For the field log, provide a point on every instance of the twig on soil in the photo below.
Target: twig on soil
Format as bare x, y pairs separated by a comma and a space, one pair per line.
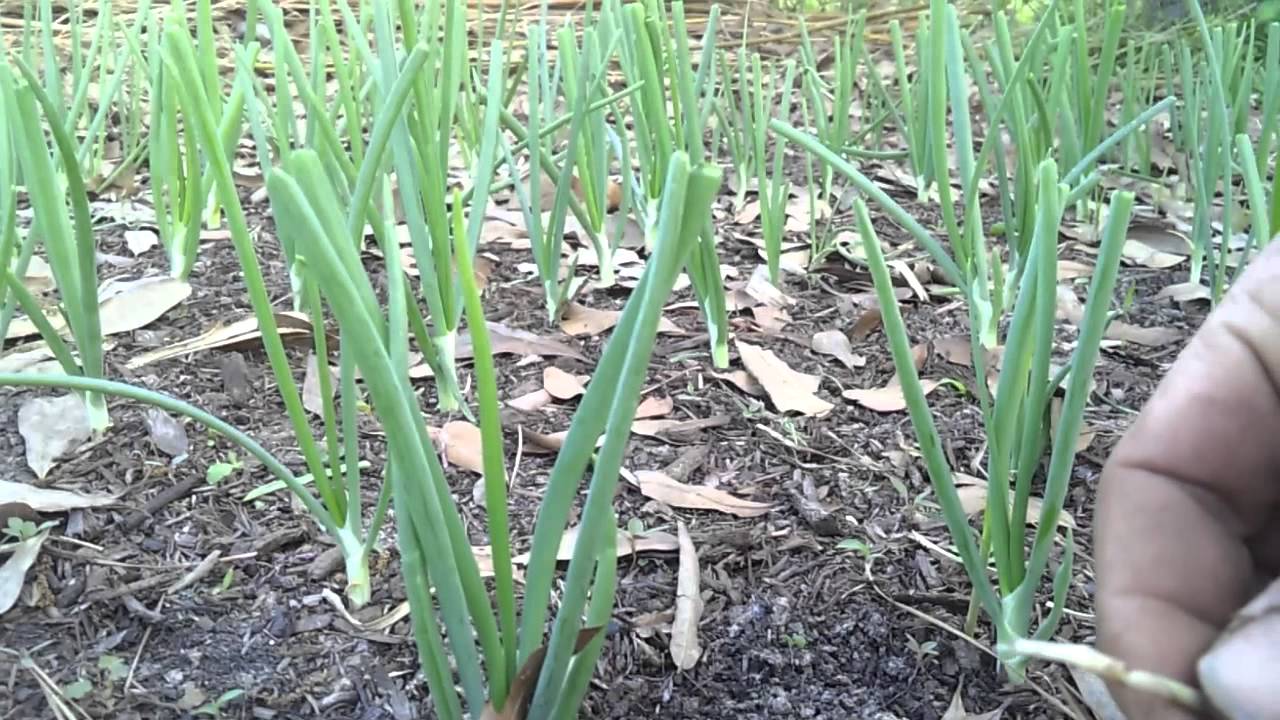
137, 586
197, 573
171, 494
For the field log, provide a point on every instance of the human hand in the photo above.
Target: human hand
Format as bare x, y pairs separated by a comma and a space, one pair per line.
1187, 525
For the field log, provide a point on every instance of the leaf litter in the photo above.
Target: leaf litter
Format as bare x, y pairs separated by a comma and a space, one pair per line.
658, 485
14, 571
685, 648
790, 391
51, 427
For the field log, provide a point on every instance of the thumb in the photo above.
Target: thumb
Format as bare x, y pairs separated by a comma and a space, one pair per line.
1241, 672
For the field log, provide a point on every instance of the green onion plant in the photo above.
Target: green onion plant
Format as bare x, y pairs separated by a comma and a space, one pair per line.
53, 179
338, 510
487, 647
772, 189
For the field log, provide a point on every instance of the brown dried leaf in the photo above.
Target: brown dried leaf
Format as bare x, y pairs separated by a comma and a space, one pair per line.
123, 306
789, 390
560, 384
511, 341
866, 324
312, 399
662, 428
973, 497
886, 399
742, 380
239, 335
1072, 269
1085, 438
462, 445
167, 433
655, 406
1072, 310
770, 319
1185, 292
1159, 238
1139, 253
140, 241
579, 320
50, 428
659, 486
627, 544
685, 649
837, 345
49, 500
765, 292
955, 349
957, 711
531, 401
14, 570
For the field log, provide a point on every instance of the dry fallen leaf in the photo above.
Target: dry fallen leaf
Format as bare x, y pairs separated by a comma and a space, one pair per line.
239, 335
655, 406
837, 345
764, 292
50, 428
531, 401
973, 498
770, 319
167, 433
123, 306
627, 544
1072, 310
659, 486
1083, 440
1071, 269
1095, 694
511, 341
49, 500
560, 384
1185, 292
312, 397
126, 305
955, 349
1139, 253
579, 320
742, 380
886, 399
866, 324
660, 428
789, 390
484, 559
140, 241
14, 570
685, 648
462, 445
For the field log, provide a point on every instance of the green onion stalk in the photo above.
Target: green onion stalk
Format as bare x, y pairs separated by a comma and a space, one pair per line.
52, 177
338, 509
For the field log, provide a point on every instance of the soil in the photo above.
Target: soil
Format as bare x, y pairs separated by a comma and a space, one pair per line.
794, 626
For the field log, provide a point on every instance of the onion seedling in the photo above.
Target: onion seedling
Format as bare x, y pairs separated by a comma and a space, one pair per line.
772, 189
1017, 424
338, 509
485, 649
52, 178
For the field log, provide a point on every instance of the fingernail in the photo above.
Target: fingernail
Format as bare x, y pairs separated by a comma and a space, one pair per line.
1240, 674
